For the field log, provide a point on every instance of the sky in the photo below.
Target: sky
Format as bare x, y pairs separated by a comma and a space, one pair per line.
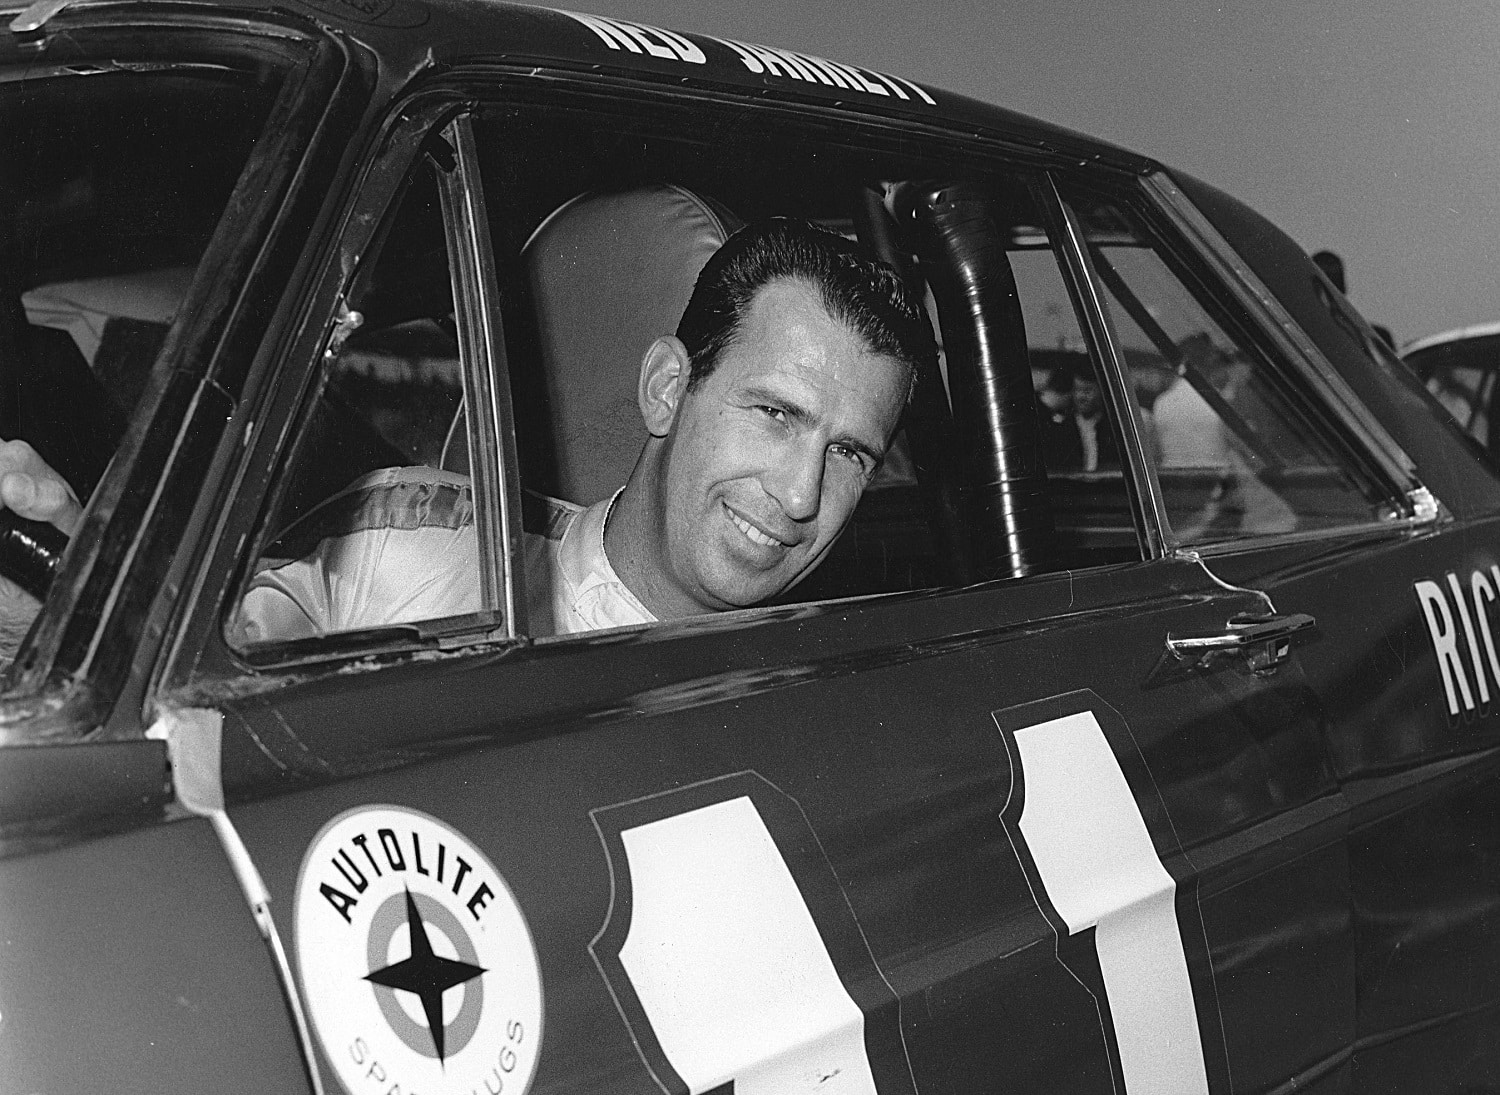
1368, 127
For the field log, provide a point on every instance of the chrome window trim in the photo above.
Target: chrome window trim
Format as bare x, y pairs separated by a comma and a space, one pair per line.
497, 501
1298, 349
1148, 501
1400, 526
374, 195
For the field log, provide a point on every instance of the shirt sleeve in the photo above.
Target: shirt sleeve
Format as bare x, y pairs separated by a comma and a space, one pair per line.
397, 547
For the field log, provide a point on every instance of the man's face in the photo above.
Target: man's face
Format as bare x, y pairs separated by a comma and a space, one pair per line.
1086, 396
767, 457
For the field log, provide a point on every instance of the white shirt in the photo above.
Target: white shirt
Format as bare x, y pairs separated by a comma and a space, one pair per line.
587, 594
1088, 436
1189, 432
399, 545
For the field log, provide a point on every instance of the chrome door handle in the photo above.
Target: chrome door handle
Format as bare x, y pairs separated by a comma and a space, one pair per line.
1260, 642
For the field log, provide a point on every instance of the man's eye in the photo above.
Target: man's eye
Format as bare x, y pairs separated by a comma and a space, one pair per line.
853, 455
774, 413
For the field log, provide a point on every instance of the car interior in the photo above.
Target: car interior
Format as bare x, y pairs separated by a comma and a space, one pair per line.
968, 461
102, 223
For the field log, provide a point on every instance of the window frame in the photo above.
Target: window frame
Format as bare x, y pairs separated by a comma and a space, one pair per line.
1147, 501
278, 414
497, 495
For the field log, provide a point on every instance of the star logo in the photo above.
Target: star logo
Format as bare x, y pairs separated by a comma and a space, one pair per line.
415, 914
425, 975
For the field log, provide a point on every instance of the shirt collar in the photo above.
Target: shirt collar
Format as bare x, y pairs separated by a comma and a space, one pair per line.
597, 594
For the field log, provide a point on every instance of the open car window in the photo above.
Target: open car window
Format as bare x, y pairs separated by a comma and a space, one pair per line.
601, 216
603, 213
1011, 459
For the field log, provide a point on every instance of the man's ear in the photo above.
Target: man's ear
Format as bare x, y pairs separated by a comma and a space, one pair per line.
664, 374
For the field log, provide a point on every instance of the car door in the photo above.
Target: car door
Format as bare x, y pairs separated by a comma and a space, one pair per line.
1406, 676
927, 838
1398, 671
889, 780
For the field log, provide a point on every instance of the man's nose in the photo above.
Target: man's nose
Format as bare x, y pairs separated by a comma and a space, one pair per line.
796, 482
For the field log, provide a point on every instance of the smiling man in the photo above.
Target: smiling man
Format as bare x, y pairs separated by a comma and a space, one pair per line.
766, 416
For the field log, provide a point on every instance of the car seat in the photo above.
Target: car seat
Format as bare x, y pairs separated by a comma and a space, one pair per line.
608, 273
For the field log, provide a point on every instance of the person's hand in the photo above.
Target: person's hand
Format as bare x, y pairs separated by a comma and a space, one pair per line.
30, 487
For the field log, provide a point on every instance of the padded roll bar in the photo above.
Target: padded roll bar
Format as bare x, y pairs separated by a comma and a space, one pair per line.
1004, 495
929, 421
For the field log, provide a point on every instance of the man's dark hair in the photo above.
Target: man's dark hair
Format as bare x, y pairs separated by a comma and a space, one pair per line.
857, 290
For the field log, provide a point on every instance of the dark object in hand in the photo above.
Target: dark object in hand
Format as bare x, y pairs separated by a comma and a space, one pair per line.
30, 552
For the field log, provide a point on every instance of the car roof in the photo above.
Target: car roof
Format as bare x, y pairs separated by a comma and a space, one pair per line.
1458, 334
414, 37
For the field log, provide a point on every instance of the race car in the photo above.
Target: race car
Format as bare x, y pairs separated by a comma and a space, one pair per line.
1138, 734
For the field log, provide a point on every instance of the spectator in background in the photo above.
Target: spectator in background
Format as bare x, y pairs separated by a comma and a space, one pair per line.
1095, 436
1076, 433
1054, 402
1189, 433
1192, 435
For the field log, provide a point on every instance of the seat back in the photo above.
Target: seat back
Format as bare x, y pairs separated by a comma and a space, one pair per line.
609, 273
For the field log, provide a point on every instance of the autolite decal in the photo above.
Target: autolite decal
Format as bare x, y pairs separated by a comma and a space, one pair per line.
418, 966
1458, 617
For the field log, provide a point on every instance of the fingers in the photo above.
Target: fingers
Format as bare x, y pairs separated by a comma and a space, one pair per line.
30, 487
36, 497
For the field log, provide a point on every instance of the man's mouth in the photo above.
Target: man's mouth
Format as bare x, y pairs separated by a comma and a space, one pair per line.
753, 534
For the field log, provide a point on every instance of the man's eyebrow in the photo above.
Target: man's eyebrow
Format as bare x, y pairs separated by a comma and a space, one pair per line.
759, 393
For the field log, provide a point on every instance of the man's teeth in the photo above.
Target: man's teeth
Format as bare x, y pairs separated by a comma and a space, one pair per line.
754, 533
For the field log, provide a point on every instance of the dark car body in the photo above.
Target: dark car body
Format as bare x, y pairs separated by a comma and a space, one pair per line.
1139, 775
